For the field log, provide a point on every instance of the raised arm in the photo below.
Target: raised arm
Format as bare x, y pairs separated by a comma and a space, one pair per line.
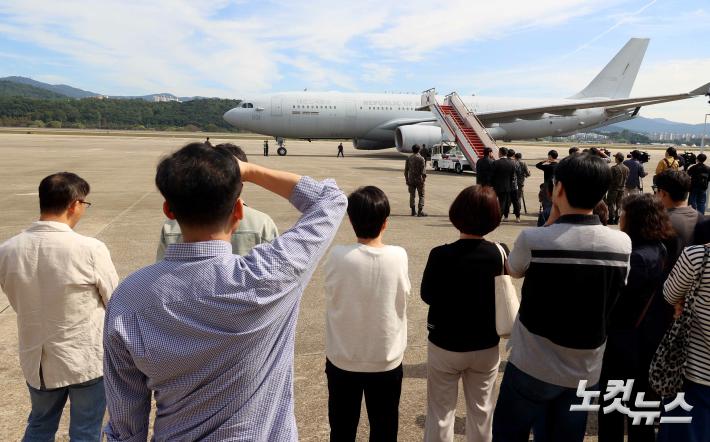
277, 181
297, 251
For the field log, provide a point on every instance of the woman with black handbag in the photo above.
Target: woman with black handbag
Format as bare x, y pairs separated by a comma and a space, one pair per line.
688, 289
646, 222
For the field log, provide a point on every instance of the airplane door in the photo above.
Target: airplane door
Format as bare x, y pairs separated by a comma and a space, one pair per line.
276, 106
350, 111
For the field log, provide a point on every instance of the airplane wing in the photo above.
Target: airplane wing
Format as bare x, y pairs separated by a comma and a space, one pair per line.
394, 124
612, 105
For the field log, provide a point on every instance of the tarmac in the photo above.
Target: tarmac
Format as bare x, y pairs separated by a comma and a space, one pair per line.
126, 214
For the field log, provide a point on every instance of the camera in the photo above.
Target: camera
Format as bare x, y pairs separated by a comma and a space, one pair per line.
641, 156
688, 159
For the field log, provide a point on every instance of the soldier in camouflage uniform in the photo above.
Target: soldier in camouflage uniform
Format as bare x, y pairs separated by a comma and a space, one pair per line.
414, 175
619, 175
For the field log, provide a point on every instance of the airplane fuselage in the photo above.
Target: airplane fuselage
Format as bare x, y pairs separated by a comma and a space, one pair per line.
361, 116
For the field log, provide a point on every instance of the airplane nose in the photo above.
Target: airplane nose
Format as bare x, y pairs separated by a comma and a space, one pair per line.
231, 117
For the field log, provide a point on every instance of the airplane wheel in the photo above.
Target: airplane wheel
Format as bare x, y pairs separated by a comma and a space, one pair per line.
458, 168
436, 165
281, 151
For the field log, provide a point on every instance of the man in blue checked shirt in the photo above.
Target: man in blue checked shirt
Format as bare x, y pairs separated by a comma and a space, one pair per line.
210, 333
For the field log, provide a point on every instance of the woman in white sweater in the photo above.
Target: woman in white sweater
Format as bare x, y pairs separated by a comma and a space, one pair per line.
366, 287
697, 366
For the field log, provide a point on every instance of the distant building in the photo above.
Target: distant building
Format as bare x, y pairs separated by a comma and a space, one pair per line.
163, 98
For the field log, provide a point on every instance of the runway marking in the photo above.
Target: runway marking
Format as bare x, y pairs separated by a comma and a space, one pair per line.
129, 208
27, 194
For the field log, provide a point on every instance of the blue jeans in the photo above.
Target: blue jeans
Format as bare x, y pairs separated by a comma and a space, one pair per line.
698, 430
87, 406
696, 200
526, 403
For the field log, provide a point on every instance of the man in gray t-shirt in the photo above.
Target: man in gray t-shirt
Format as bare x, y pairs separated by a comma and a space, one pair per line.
574, 271
672, 188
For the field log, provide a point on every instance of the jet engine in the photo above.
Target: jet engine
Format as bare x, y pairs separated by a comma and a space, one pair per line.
365, 144
407, 136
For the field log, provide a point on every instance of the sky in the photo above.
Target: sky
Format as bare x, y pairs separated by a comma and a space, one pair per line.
231, 49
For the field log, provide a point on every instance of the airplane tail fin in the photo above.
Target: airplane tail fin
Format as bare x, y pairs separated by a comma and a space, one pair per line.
618, 76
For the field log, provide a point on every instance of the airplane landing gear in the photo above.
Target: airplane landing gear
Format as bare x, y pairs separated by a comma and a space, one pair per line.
281, 150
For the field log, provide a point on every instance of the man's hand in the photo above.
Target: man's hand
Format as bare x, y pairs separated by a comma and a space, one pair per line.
245, 170
678, 309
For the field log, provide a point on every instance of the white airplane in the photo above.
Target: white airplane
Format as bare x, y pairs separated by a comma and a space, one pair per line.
380, 121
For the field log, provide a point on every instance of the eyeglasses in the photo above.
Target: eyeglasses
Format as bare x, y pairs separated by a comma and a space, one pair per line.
88, 204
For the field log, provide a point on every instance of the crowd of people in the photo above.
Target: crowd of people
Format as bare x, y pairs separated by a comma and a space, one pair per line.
208, 331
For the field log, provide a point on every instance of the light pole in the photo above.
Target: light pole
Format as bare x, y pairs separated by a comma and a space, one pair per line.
702, 148
702, 141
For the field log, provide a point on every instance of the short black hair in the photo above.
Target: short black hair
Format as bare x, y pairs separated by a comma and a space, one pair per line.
511, 153
672, 152
475, 211
200, 183
675, 182
416, 148
553, 153
518, 155
234, 150
368, 209
585, 177
58, 191
573, 150
502, 151
701, 158
487, 151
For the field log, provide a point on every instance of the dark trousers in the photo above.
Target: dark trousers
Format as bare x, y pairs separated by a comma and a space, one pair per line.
526, 403
697, 199
345, 390
505, 199
698, 430
625, 358
340, 153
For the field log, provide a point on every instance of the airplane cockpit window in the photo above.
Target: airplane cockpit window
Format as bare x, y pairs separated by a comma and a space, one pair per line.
247, 105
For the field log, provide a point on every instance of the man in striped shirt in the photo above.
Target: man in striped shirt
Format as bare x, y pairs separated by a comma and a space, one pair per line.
210, 333
574, 270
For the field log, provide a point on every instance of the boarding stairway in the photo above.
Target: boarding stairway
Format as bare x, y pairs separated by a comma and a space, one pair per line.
460, 124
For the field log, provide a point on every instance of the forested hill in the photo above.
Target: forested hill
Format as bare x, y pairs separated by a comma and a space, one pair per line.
201, 114
11, 88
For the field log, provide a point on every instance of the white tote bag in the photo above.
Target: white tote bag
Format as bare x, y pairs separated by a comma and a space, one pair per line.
507, 303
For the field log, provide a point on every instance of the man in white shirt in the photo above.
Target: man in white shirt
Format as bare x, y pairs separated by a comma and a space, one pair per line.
367, 286
59, 283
